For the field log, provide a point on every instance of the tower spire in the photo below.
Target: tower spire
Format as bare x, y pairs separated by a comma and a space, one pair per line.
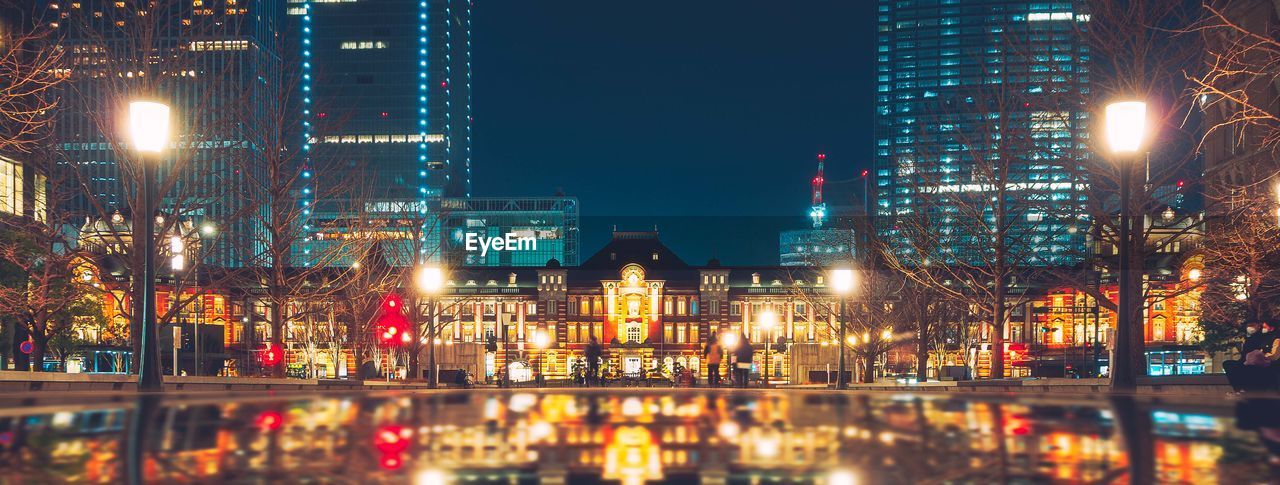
818, 211
818, 180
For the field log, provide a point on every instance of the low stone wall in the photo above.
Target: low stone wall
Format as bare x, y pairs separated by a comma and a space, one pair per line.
1198, 385
16, 381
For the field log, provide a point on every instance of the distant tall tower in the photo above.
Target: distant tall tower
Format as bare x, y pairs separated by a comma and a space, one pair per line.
958, 85
818, 211
386, 93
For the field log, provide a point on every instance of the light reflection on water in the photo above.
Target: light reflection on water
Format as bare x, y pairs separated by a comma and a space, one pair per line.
634, 437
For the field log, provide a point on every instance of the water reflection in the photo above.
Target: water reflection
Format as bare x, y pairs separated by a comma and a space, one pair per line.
638, 437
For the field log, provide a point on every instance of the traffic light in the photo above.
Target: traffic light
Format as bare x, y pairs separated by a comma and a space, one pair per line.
392, 328
272, 354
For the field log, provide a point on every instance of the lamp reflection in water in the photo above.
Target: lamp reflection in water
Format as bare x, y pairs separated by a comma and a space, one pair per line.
678, 436
632, 457
430, 476
841, 477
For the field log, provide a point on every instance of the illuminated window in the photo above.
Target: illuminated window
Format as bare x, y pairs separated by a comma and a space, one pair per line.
41, 208
10, 186
363, 44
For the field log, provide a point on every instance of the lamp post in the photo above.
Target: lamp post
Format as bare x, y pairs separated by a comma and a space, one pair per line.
207, 230
729, 341
768, 319
1125, 127
430, 280
540, 342
149, 131
842, 283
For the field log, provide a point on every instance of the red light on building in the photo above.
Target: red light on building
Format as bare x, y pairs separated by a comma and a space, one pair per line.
1179, 184
864, 174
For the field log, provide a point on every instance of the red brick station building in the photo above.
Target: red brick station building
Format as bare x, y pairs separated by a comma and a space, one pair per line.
650, 310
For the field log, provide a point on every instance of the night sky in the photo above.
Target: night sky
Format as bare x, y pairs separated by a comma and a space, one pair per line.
672, 108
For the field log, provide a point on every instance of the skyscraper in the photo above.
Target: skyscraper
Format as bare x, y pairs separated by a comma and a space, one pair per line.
386, 99
981, 124
213, 66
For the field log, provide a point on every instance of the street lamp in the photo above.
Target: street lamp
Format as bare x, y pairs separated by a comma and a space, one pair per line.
430, 280
842, 283
768, 320
149, 130
541, 341
1125, 127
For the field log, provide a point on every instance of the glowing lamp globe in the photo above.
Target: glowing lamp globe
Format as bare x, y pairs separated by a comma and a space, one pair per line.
1126, 126
430, 279
149, 125
842, 281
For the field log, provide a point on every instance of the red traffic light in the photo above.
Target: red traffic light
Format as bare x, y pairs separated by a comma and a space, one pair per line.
391, 303
272, 354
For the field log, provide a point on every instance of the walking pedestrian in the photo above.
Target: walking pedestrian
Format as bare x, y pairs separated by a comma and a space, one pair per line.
1256, 368
713, 355
593, 352
744, 355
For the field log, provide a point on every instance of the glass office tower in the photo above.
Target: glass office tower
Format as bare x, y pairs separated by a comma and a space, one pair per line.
386, 101
973, 96
205, 62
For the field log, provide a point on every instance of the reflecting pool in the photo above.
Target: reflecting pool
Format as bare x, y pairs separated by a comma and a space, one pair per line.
637, 436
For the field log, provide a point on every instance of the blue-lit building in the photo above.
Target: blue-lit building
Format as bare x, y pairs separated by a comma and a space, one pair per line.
386, 102
973, 96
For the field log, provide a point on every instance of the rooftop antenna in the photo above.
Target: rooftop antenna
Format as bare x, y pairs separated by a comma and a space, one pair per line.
818, 211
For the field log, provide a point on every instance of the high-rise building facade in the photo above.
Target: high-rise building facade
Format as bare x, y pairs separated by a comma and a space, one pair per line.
976, 98
212, 64
385, 100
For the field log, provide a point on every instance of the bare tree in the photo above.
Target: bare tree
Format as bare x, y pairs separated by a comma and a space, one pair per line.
42, 272
153, 51
1138, 52
1237, 82
972, 234
30, 71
